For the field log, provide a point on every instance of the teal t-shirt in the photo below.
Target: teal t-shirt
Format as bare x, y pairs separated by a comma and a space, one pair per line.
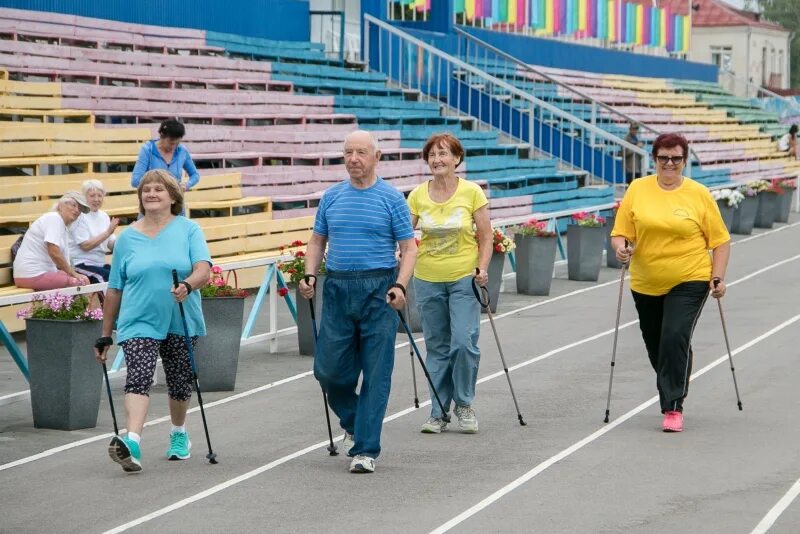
142, 269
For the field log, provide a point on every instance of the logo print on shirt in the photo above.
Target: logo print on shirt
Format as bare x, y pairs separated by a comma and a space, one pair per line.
442, 237
682, 213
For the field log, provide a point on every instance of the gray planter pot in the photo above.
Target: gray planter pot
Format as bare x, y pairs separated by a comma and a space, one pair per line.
727, 213
745, 216
536, 257
585, 252
411, 313
784, 206
305, 334
611, 256
217, 353
496, 267
66, 380
767, 209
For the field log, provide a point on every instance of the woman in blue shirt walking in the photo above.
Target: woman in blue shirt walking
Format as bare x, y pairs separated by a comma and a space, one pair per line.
142, 302
166, 153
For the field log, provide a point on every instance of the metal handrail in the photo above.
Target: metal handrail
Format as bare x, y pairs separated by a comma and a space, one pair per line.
792, 103
594, 101
340, 14
530, 99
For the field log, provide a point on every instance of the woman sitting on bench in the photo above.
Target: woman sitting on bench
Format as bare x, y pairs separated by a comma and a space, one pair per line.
91, 237
42, 261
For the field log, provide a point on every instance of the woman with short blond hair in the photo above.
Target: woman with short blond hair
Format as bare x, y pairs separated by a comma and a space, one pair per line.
92, 235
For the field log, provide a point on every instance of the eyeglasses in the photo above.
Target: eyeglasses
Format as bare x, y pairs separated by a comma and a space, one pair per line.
674, 160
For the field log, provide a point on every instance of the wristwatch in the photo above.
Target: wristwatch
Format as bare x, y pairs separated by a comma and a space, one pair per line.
187, 285
103, 342
401, 287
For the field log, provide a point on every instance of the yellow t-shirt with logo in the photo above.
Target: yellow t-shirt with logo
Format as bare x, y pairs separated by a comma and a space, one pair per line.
672, 232
448, 250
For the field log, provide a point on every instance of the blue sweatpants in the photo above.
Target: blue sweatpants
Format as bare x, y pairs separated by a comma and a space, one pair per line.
357, 336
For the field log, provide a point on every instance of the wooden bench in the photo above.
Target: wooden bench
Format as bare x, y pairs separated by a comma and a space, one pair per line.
29, 140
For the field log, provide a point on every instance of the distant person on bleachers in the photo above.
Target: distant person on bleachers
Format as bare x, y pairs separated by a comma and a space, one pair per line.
92, 235
788, 143
42, 261
633, 162
166, 153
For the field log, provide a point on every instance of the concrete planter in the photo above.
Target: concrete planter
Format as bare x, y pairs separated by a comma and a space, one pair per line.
784, 206
585, 252
217, 353
496, 267
66, 380
767, 209
745, 216
611, 256
305, 334
536, 257
727, 213
411, 313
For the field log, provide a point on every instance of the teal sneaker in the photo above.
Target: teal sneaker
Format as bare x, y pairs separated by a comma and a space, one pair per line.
126, 453
179, 446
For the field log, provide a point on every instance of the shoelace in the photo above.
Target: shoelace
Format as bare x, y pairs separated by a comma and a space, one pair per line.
178, 440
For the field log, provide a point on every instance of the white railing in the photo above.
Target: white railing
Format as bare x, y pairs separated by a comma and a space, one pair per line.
477, 52
783, 106
468, 91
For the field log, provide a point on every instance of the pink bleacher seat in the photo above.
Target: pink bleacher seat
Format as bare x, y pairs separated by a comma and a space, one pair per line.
102, 93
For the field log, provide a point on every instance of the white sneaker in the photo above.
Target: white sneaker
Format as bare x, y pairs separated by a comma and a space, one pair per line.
362, 464
467, 421
347, 442
434, 425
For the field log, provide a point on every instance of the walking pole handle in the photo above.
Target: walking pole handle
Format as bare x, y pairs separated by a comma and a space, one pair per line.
716, 280
482, 290
313, 284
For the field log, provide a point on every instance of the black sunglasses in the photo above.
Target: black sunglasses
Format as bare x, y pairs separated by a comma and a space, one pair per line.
675, 160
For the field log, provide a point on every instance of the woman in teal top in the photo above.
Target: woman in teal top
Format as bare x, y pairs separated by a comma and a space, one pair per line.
141, 300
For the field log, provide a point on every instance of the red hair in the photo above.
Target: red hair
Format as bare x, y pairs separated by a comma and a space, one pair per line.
671, 140
446, 140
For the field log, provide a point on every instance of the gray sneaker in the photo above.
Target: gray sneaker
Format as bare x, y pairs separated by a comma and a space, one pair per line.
347, 442
362, 464
467, 421
434, 425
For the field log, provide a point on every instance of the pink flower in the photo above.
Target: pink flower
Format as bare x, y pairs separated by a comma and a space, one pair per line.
216, 269
219, 282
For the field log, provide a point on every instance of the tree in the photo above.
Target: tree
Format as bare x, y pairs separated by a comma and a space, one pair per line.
787, 14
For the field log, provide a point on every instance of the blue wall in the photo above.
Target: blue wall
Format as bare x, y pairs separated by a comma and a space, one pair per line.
271, 19
549, 53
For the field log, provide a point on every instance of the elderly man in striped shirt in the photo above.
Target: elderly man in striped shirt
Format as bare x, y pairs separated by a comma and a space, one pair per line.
362, 221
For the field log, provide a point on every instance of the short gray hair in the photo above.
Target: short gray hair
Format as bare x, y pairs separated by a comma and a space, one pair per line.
88, 185
373, 141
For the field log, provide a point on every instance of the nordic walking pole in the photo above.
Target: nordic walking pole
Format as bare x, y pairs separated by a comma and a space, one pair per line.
331, 447
413, 368
486, 303
616, 335
728, 346
445, 416
110, 400
211, 456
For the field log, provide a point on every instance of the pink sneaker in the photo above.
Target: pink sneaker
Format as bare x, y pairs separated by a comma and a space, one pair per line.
673, 422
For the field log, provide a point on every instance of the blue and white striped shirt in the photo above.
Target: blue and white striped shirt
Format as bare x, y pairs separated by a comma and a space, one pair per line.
362, 226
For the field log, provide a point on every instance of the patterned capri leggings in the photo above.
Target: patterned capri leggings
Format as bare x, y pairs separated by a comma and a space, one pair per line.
141, 354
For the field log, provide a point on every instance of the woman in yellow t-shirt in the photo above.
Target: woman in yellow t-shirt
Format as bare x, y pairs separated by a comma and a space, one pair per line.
673, 222
446, 208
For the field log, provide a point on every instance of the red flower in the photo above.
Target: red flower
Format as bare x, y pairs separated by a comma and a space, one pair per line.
291, 271
299, 254
297, 243
282, 291
498, 248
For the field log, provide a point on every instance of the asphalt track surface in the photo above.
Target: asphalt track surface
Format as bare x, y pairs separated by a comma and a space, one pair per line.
567, 471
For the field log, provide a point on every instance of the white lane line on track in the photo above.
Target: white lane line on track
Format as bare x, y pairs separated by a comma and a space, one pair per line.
86, 441
775, 512
505, 490
250, 474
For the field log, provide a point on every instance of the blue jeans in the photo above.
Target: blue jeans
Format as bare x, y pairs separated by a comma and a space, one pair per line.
451, 319
357, 335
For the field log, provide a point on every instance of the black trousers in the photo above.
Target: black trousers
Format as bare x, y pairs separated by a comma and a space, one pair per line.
667, 323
